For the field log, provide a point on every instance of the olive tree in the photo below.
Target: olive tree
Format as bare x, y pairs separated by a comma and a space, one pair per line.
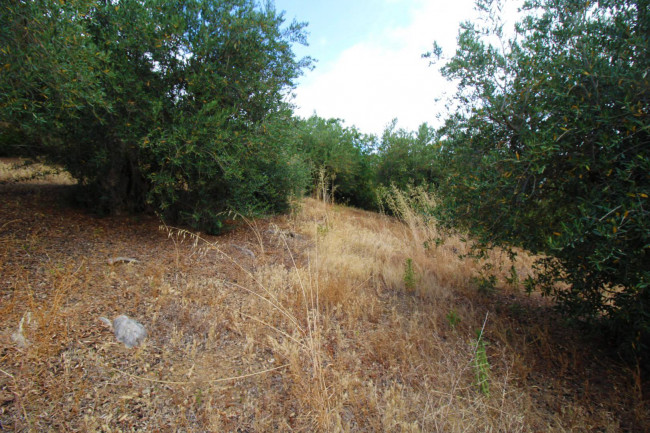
178, 106
550, 150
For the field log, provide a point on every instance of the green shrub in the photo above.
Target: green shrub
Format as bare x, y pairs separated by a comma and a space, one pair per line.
173, 106
410, 279
550, 151
481, 365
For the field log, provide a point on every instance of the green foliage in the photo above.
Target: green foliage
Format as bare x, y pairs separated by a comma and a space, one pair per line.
453, 318
485, 283
550, 150
50, 69
173, 105
410, 280
406, 158
360, 167
343, 155
513, 278
481, 365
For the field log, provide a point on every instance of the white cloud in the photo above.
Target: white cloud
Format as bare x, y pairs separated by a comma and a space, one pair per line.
385, 77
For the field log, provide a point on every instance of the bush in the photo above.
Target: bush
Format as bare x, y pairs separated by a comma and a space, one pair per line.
343, 155
551, 151
175, 106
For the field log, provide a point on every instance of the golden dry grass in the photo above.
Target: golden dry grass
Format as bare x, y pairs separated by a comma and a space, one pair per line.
16, 170
296, 323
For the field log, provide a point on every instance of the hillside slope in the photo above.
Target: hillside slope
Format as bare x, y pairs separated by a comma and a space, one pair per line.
328, 319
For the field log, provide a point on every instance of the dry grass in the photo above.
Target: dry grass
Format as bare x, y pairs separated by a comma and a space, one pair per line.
297, 323
15, 170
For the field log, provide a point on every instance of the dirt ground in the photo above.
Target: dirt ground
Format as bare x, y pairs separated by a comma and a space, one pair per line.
302, 322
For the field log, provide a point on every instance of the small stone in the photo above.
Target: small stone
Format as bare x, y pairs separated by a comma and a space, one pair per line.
128, 331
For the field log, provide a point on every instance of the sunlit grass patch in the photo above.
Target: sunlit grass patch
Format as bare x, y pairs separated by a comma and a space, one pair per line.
15, 170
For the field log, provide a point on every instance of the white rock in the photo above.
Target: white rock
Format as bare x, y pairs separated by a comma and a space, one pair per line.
127, 330
18, 337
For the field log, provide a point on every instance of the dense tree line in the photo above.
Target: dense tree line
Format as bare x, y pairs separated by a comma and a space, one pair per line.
357, 164
180, 107
340, 156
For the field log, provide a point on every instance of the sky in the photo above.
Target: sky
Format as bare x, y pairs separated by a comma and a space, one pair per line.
370, 67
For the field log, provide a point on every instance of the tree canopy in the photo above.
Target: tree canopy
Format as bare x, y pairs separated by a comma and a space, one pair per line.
407, 158
179, 106
550, 150
343, 155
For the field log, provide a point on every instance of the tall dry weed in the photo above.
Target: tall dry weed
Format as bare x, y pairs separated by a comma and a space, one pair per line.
303, 323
